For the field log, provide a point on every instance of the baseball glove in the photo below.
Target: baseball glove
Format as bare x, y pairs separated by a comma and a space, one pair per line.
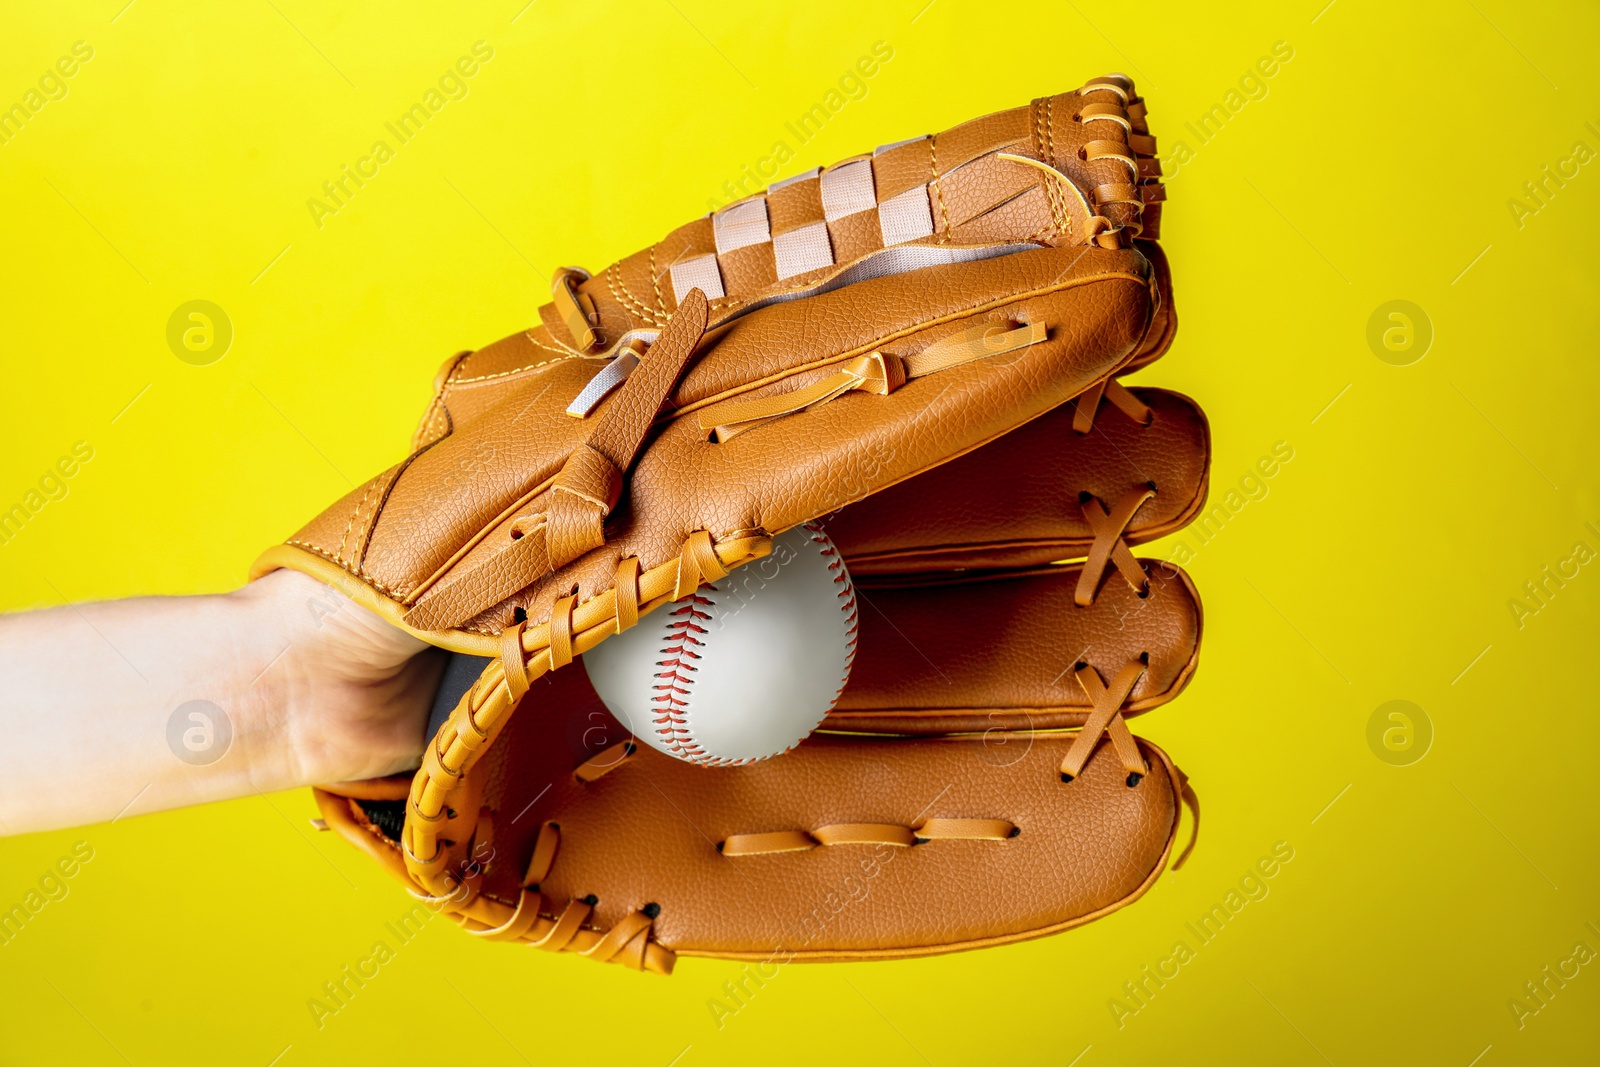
984, 722
787, 356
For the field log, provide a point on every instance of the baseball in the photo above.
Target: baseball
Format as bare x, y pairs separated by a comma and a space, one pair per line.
744, 669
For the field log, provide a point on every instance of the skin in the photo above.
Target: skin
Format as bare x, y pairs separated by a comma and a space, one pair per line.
316, 689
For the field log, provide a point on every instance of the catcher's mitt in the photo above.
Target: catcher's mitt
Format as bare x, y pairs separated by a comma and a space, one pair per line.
768, 365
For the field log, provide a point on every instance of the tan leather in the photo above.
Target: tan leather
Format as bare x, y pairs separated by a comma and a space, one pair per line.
452, 506
845, 848
968, 654
580, 496
1017, 502
570, 478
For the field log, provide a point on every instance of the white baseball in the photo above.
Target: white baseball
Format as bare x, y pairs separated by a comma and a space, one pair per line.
744, 668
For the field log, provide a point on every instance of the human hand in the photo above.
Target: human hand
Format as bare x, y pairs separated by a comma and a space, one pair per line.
356, 690
308, 687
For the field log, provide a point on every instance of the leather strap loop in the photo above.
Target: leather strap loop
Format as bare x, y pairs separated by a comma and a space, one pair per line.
1113, 112
965, 830
879, 373
1115, 83
591, 477
617, 937
627, 593
768, 843
513, 661
1117, 193
577, 310
565, 928
865, 833
561, 632
876, 372
975, 342
604, 762
582, 495
1097, 150
697, 564
544, 855
520, 922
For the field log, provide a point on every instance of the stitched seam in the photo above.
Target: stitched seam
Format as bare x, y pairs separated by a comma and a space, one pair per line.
325, 554
518, 370
362, 530
438, 424
338, 555
383, 502
645, 311
1039, 150
1058, 200
675, 681
558, 348
846, 593
655, 281
621, 293
358, 551
938, 187
426, 429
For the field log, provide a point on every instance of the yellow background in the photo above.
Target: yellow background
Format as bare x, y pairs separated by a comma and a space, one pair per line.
1379, 566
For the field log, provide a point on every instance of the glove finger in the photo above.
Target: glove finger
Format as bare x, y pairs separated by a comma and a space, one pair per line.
1000, 651
1016, 502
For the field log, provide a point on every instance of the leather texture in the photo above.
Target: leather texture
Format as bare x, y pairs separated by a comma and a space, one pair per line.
963, 516
647, 833
976, 652
918, 348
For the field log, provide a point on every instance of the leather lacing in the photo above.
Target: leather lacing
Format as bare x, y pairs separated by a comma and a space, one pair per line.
1113, 212
878, 373
537, 920
1109, 549
1110, 546
572, 630
863, 833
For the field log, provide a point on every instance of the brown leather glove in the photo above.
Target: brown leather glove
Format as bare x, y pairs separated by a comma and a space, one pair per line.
931, 772
762, 367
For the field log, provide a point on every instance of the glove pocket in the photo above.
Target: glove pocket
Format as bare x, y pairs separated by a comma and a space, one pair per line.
845, 848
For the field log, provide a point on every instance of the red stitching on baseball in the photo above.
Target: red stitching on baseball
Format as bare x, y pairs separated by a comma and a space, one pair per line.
676, 678
677, 675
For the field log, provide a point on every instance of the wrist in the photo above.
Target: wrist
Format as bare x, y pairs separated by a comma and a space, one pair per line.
348, 692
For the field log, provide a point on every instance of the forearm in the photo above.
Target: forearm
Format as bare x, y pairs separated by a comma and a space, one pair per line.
141, 705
